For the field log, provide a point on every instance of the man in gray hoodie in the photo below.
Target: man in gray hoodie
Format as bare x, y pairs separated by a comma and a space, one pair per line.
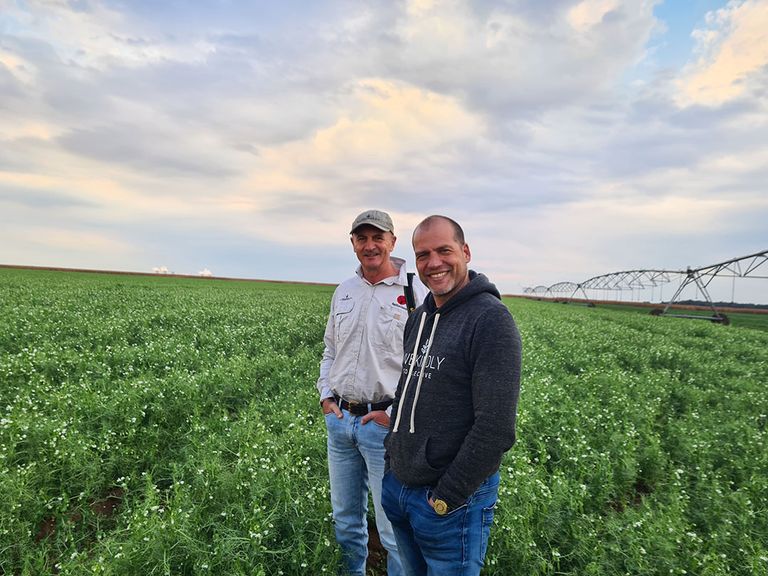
453, 417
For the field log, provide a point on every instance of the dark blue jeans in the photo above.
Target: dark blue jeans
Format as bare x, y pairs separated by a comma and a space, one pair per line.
434, 545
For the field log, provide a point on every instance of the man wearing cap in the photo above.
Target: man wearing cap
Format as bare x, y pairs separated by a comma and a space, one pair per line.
358, 375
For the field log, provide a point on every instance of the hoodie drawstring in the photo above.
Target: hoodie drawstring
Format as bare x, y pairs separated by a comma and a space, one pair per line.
421, 372
410, 368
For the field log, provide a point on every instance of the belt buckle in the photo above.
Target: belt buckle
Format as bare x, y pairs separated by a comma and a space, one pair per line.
356, 408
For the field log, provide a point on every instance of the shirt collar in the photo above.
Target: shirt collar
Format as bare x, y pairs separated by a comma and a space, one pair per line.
401, 278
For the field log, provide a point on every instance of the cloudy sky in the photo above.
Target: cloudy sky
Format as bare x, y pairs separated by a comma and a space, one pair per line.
570, 138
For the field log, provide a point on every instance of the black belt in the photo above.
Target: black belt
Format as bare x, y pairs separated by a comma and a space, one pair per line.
361, 408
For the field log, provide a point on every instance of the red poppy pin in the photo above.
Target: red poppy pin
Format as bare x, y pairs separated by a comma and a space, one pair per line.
401, 300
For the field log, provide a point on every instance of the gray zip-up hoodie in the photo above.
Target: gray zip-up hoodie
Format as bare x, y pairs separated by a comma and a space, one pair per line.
454, 411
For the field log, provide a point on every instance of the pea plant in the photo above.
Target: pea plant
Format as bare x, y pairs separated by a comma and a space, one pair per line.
166, 425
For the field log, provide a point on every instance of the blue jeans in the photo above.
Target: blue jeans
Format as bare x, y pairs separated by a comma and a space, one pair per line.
434, 545
355, 464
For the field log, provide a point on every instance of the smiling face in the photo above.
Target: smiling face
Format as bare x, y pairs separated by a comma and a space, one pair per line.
441, 259
372, 248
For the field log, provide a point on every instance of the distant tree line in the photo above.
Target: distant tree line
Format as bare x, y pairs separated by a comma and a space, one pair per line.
721, 304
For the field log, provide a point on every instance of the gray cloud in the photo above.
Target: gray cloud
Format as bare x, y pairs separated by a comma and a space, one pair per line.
657, 135
9, 88
207, 125
41, 199
143, 149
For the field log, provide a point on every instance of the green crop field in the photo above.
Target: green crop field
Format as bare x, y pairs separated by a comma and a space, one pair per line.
160, 425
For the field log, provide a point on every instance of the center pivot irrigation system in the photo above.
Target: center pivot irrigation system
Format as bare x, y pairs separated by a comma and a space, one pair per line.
743, 267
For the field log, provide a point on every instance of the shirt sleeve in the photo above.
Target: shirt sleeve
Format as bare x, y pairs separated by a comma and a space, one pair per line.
329, 355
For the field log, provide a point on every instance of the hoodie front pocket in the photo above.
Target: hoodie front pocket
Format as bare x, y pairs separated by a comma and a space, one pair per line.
408, 458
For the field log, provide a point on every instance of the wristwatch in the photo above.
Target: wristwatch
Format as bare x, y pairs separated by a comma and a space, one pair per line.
440, 506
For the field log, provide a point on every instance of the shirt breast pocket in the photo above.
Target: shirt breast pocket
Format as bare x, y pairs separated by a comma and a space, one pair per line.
342, 318
388, 334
